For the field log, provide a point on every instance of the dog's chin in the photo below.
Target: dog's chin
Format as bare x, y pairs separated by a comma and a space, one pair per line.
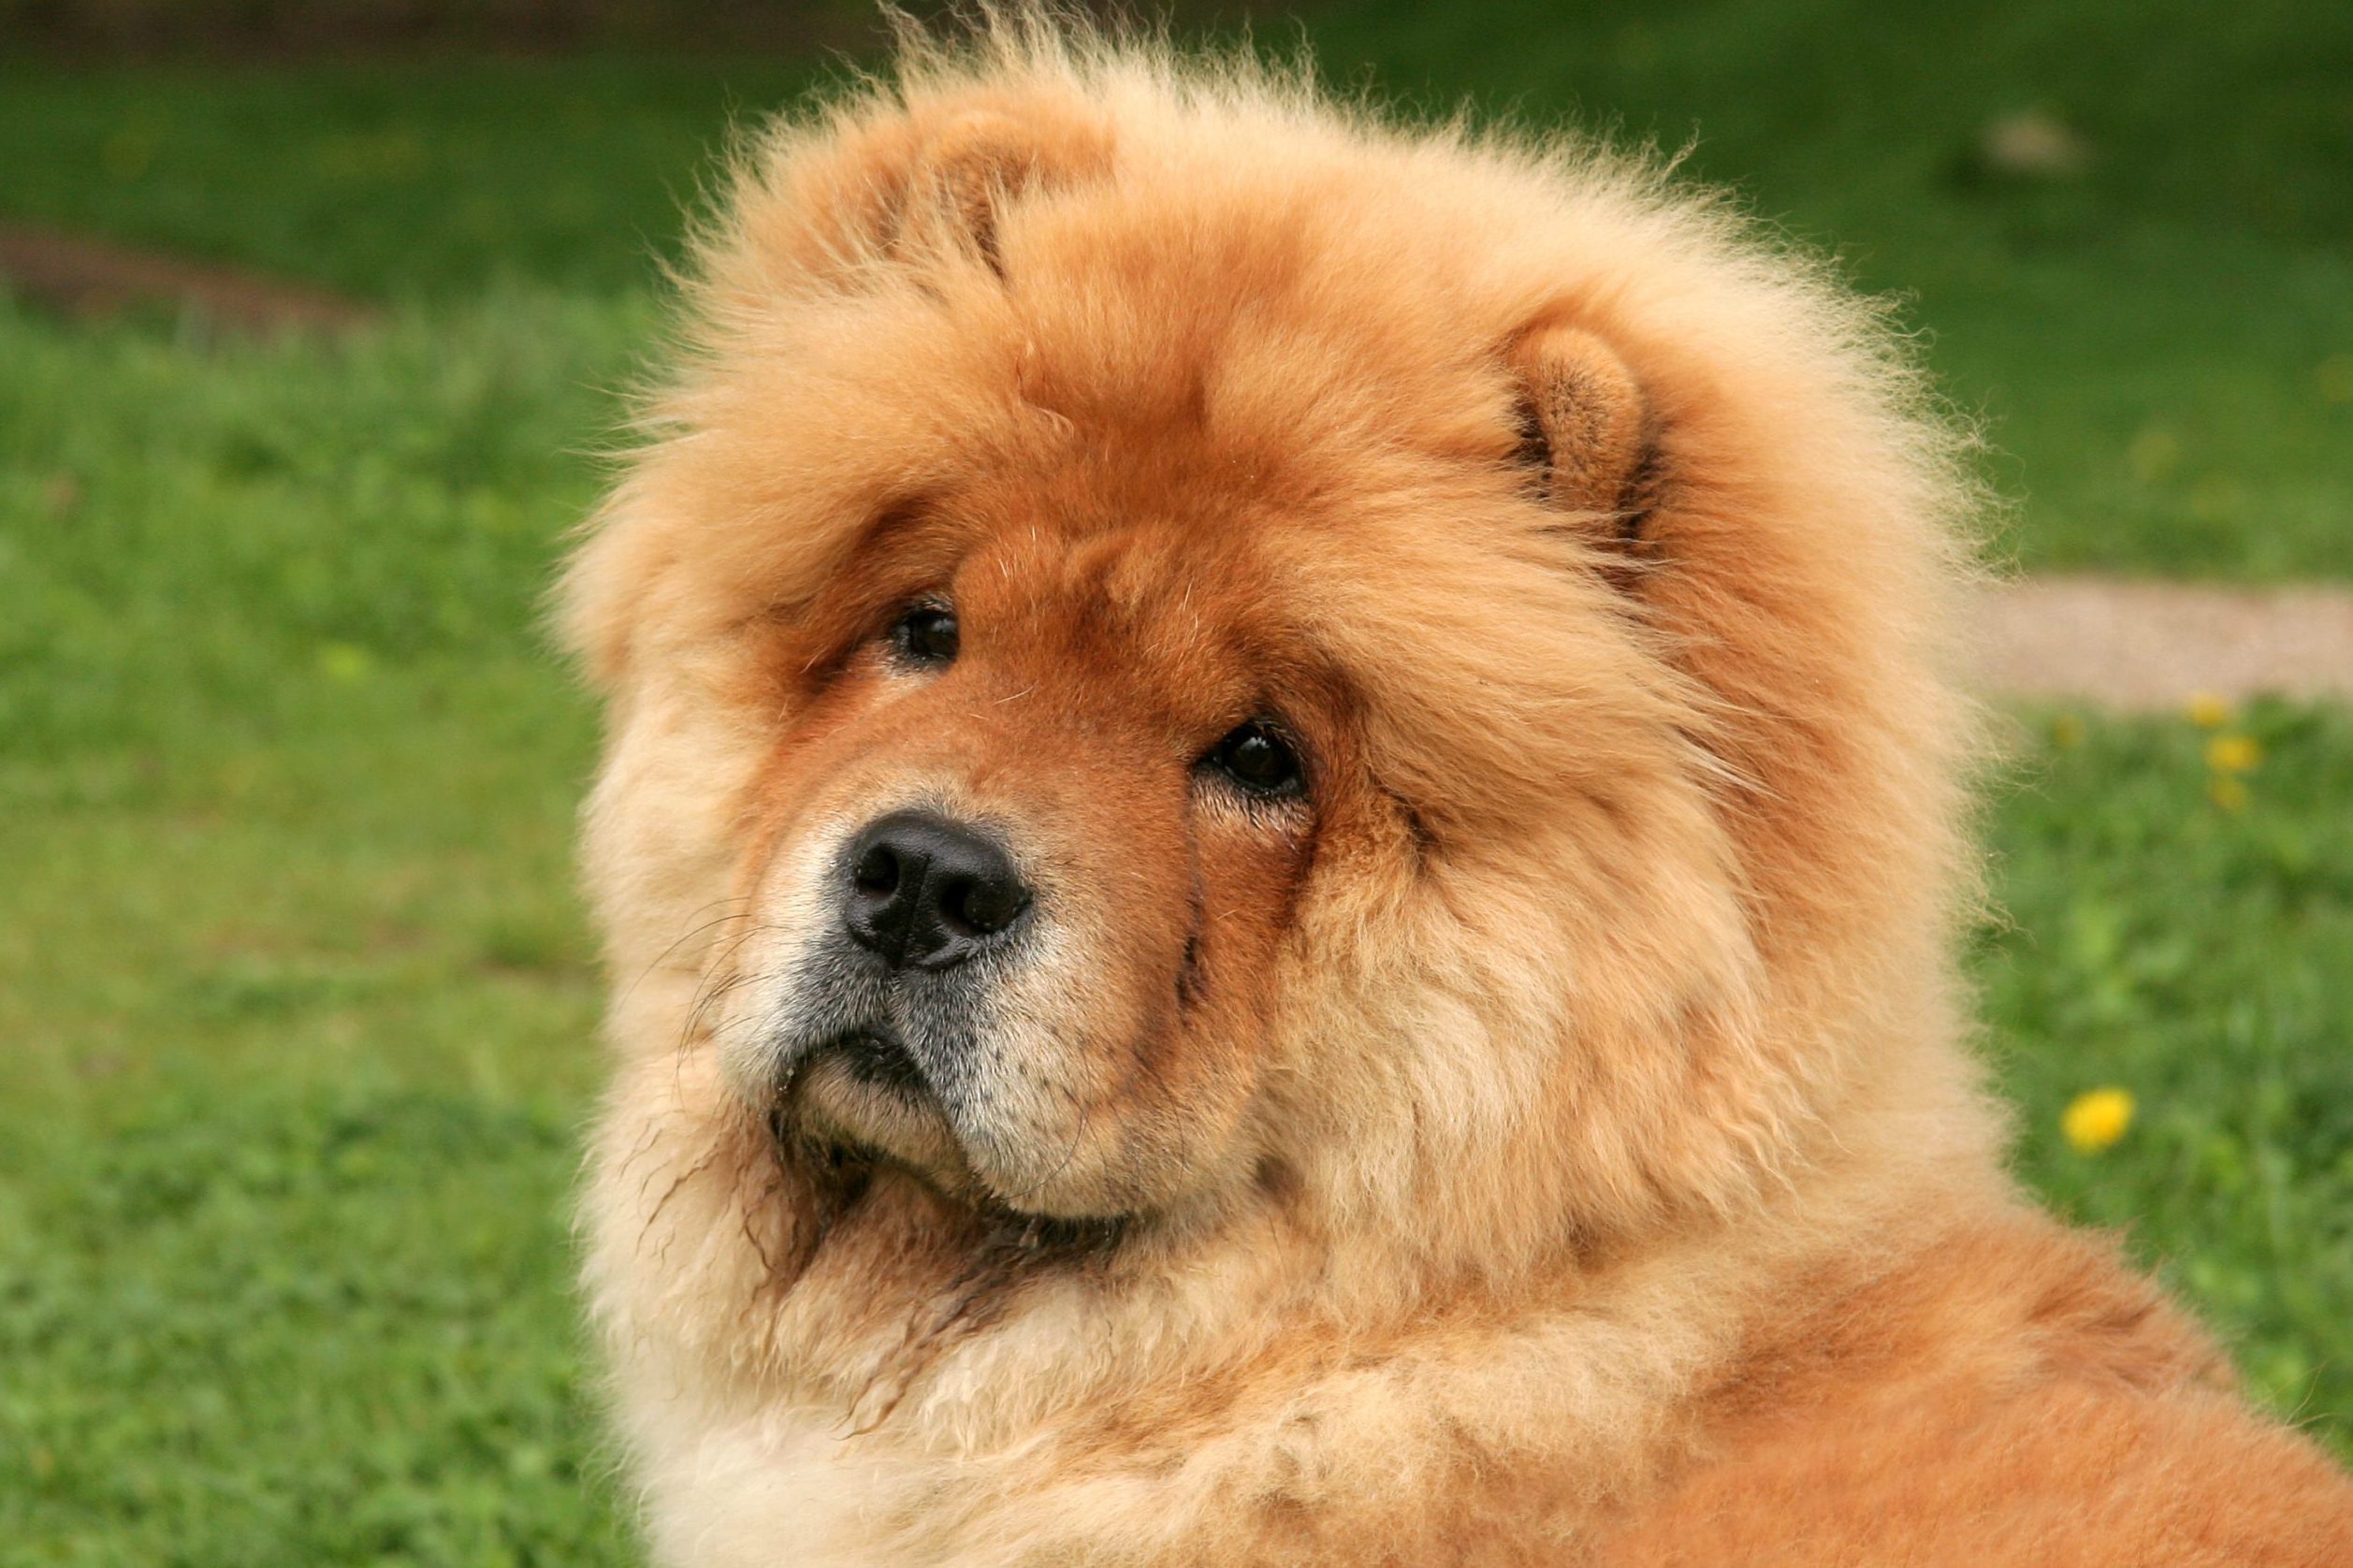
862, 1097
871, 1102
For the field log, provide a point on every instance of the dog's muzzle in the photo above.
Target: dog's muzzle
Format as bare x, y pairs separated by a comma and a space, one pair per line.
921, 915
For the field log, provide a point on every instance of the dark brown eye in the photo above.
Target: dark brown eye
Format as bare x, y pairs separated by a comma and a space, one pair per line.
926, 634
1256, 757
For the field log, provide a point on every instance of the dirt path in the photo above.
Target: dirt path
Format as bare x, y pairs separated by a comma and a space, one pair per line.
2141, 644
84, 277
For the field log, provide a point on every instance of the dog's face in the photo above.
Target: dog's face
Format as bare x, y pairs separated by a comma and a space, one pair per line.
1027, 859
1182, 689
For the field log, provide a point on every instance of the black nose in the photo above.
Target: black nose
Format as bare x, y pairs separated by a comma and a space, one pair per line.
928, 892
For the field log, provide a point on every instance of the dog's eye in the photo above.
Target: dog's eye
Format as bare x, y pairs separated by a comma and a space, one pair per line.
1256, 757
926, 633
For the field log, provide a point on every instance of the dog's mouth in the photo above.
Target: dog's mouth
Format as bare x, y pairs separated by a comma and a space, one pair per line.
923, 1074
864, 1091
879, 1058
863, 1106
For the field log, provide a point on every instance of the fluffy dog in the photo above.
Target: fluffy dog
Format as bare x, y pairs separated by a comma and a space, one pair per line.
1279, 843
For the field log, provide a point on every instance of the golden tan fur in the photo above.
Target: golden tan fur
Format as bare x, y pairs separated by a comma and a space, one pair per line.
1547, 1139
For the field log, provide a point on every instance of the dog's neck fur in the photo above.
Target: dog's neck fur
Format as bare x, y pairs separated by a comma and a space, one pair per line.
929, 1374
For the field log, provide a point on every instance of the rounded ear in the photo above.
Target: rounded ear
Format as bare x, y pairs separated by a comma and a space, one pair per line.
976, 162
1586, 426
908, 185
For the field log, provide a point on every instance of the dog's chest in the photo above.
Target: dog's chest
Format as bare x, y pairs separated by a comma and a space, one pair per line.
791, 1490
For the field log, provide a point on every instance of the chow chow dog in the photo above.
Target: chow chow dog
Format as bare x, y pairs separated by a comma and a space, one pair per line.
1279, 843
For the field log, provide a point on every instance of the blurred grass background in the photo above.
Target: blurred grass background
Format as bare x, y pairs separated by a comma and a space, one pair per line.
297, 1006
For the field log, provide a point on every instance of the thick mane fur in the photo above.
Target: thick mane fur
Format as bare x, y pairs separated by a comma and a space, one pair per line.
1616, 1087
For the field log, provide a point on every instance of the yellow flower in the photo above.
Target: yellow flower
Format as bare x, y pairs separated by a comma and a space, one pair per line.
2207, 710
2233, 753
2066, 731
2227, 793
2095, 1119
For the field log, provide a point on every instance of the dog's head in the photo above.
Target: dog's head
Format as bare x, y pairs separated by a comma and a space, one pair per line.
1168, 649
1023, 868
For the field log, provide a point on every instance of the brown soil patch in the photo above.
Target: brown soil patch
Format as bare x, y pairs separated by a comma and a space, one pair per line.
84, 277
2139, 644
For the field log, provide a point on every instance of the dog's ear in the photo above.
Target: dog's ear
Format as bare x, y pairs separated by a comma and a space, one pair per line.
977, 162
1585, 431
921, 184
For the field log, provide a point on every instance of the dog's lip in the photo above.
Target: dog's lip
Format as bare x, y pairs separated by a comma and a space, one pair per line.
877, 1057
891, 1085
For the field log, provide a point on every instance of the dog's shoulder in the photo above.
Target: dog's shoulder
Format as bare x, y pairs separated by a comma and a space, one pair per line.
2011, 1393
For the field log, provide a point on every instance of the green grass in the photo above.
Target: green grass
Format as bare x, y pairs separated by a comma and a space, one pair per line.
300, 1010
296, 1003
427, 180
2161, 347
299, 1014
2194, 954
